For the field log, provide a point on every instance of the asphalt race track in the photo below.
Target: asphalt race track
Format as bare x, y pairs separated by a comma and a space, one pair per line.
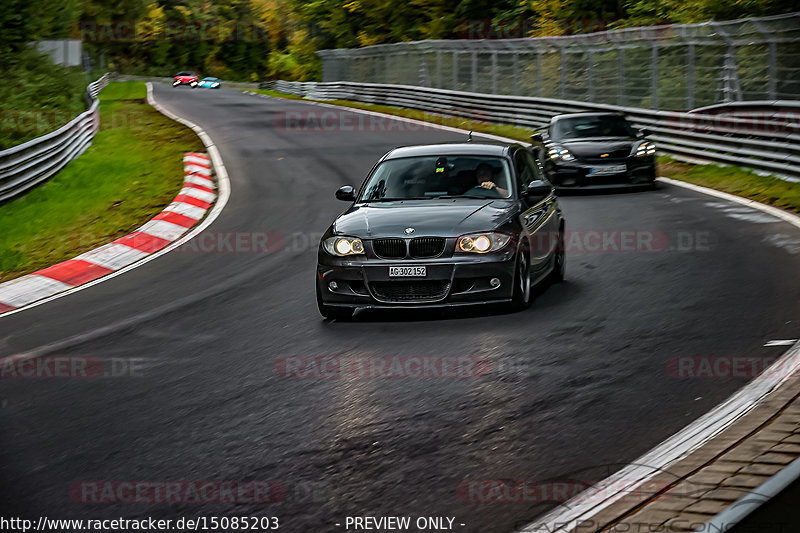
577, 385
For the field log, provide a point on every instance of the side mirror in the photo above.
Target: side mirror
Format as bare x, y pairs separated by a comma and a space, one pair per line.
346, 193
645, 132
537, 138
538, 189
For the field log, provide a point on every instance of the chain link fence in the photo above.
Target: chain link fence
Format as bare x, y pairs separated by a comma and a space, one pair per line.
671, 67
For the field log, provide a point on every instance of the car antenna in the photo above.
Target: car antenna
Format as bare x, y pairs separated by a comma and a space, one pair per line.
469, 137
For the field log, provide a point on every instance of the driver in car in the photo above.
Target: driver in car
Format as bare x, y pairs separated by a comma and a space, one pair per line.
485, 178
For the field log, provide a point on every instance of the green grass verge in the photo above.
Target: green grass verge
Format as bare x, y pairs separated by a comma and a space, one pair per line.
735, 180
739, 181
130, 172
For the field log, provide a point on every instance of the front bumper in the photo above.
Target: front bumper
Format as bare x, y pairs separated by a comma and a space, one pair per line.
639, 172
459, 280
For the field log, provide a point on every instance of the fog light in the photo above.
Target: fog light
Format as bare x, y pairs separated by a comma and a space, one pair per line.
494, 282
333, 285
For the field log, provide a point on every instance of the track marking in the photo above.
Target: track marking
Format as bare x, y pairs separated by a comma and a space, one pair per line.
223, 182
785, 342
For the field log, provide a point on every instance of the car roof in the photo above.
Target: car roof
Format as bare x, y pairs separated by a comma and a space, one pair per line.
588, 114
471, 148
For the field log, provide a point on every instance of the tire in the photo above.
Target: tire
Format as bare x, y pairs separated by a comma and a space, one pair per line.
560, 260
330, 312
522, 281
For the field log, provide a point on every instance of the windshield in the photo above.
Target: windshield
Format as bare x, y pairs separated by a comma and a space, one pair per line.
591, 126
438, 176
185, 73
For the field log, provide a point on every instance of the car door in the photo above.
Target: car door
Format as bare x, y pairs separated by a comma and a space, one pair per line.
538, 215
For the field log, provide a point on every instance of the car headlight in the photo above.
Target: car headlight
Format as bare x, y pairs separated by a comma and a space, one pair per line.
557, 153
343, 246
645, 149
215, 84
482, 243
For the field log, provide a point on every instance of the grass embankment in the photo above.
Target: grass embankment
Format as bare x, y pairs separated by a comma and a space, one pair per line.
130, 172
735, 180
38, 96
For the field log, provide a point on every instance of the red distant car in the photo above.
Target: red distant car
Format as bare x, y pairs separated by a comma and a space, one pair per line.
185, 77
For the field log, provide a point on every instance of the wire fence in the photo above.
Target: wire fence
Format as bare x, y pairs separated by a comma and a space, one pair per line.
671, 67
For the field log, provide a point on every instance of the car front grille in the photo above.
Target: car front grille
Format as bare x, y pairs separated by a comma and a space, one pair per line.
423, 247
389, 248
405, 291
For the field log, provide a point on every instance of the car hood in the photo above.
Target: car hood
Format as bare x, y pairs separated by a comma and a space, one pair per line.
442, 218
185, 78
593, 148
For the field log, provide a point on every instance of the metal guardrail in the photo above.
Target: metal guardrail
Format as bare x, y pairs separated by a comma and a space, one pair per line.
764, 136
28, 164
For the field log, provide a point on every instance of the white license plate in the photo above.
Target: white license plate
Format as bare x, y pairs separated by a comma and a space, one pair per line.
607, 169
408, 272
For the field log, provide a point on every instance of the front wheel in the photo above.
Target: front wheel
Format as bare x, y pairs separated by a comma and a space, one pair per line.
331, 312
522, 281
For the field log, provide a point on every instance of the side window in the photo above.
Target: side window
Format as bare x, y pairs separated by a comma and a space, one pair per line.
536, 170
523, 171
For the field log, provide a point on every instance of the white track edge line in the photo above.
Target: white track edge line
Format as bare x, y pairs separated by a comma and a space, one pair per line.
224, 193
676, 447
774, 211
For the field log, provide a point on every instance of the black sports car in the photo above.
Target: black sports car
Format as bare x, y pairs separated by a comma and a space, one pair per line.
595, 150
442, 225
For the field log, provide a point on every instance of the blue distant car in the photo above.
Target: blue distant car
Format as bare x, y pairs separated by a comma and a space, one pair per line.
209, 83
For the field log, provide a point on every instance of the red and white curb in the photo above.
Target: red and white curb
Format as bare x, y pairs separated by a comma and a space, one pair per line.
187, 209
